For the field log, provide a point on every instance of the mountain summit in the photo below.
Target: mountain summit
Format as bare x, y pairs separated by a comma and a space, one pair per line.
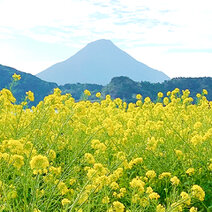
98, 62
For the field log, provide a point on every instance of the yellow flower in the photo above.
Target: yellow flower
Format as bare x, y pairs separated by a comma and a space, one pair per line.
179, 153
57, 92
118, 206
106, 200
198, 192
89, 158
151, 174
176, 207
164, 174
160, 208
144, 202
98, 95
8, 95
87, 92
197, 125
30, 96
154, 195
152, 144
198, 95
160, 95
83, 198
186, 198
149, 190
39, 162
52, 154
114, 185
137, 183
72, 181
95, 143
205, 92
175, 180
193, 209
63, 188
36, 210
55, 170
40, 193
16, 77
135, 162
138, 96
17, 161
147, 100
135, 198
197, 139
65, 201
190, 171
12, 194
166, 101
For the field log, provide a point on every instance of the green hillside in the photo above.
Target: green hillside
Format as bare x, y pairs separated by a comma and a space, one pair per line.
28, 82
119, 87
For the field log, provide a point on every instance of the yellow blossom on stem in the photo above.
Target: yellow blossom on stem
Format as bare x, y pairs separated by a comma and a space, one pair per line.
160, 208
198, 192
154, 195
160, 95
186, 198
193, 209
175, 180
138, 96
118, 206
151, 174
65, 201
16, 77
87, 92
30, 96
190, 171
39, 162
98, 95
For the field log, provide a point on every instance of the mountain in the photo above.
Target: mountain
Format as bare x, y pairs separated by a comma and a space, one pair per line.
119, 87
99, 62
126, 89
28, 82
39, 87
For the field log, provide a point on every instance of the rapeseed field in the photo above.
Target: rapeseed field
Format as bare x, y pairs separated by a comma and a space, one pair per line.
107, 155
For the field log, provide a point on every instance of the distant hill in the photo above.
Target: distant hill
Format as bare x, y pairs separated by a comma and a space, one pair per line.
40, 87
125, 88
27, 82
119, 87
98, 63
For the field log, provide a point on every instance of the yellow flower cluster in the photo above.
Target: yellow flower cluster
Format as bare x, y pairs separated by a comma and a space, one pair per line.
16, 77
30, 96
198, 192
63, 155
39, 164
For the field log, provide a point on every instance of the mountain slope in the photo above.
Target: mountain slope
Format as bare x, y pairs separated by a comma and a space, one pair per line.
125, 88
119, 87
98, 63
28, 82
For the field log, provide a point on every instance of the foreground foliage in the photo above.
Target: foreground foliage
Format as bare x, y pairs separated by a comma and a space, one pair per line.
106, 155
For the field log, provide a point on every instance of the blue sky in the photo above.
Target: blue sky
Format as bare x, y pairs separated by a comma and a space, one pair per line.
173, 36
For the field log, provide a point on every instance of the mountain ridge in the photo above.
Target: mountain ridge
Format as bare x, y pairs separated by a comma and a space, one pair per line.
118, 87
98, 62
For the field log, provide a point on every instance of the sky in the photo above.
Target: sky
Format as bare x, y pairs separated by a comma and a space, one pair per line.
173, 36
